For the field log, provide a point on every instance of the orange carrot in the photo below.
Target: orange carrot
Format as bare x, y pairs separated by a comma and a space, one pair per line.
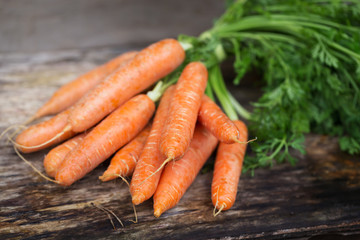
124, 161
227, 170
183, 112
70, 93
216, 121
178, 176
142, 187
54, 158
108, 136
147, 67
32, 139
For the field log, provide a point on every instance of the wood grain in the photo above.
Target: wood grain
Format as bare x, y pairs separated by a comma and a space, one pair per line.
320, 195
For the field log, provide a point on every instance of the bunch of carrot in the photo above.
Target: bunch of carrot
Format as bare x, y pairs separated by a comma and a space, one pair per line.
105, 112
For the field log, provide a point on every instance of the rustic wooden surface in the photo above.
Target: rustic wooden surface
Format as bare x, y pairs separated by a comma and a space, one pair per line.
319, 198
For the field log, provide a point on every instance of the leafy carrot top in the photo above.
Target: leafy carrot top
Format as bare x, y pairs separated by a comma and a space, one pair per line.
309, 54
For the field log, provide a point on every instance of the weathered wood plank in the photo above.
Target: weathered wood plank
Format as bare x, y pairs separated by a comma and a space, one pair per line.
320, 195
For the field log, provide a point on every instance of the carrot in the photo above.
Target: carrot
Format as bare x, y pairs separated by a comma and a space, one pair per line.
70, 93
44, 134
54, 158
216, 121
183, 112
147, 67
178, 176
227, 170
142, 187
108, 136
124, 161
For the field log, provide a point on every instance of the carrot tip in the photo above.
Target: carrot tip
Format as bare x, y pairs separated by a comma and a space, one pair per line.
50, 171
137, 199
107, 177
218, 212
157, 213
216, 204
103, 178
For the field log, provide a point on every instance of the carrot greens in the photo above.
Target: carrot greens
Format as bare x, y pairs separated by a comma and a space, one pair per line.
309, 54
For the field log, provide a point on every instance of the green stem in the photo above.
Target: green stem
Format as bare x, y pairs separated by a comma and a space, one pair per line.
277, 150
290, 40
217, 83
261, 23
157, 91
209, 92
186, 46
313, 19
341, 48
238, 108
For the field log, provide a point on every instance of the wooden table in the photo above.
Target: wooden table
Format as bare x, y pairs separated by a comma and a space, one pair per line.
317, 198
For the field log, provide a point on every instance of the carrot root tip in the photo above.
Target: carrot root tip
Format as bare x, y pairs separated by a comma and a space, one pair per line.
108, 212
137, 199
106, 177
219, 211
157, 213
249, 141
133, 205
136, 217
33, 167
17, 127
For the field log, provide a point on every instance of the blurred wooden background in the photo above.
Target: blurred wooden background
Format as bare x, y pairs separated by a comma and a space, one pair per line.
47, 25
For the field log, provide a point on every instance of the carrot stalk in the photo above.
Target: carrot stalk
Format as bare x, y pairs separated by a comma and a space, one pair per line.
227, 170
183, 112
124, 161
178, 176
108, 136
142, 186
71, 92
147, 67
54, 158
